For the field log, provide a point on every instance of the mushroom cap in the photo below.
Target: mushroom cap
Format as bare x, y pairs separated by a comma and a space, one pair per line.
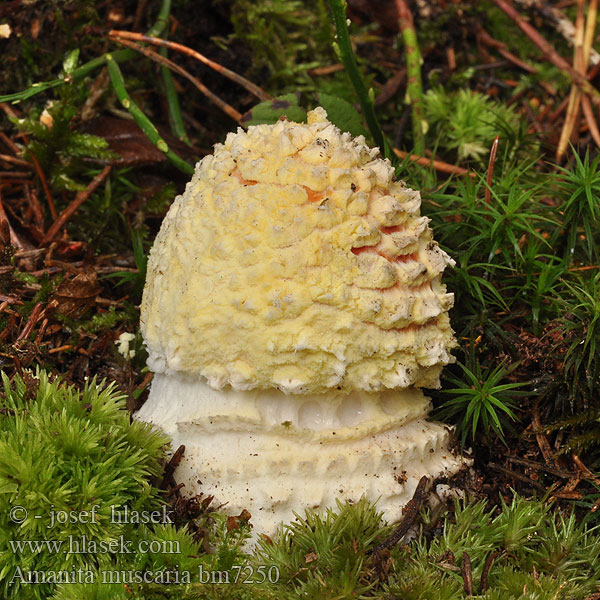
294, 261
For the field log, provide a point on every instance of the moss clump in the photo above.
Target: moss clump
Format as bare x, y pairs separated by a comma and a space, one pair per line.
65, 451
63, 454
276, 33
467, 122
534, 553
325, 555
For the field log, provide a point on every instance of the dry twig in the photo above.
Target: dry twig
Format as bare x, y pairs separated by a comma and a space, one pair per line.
518, 476
485, 572
79, 199
490, 173
438, 165
540, 467
33, 319
15, 161
549, 52
590, 118
563, 24
15, 240
488, 40
410, 513
171, 466
138, 37
163, 60
542, 440
584, 470
467, 574
590, 28
569, 126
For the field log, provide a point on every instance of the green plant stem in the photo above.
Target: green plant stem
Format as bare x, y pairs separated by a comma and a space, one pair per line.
78, 73
162, 19
343, 48
118, 83
414, 86
175, 116
88, 67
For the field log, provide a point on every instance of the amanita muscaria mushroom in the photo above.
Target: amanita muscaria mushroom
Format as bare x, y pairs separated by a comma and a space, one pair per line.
293, 310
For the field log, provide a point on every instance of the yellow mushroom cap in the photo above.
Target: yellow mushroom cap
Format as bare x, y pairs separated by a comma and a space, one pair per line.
294, 261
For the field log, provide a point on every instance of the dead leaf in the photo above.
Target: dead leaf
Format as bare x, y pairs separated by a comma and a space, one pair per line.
130, 143
234, 522
382, 13
76, 295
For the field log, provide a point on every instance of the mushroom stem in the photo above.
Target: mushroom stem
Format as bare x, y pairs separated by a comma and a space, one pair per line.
277, 453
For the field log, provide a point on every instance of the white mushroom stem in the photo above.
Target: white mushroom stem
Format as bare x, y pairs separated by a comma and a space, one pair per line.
277, 453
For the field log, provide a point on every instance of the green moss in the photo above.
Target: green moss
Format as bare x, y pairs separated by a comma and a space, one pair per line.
58, 147
539, 555
325, 554
466, 122
77, 452
276, 32
67, 452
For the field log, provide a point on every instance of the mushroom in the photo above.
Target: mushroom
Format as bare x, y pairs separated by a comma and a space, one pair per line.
293, 309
